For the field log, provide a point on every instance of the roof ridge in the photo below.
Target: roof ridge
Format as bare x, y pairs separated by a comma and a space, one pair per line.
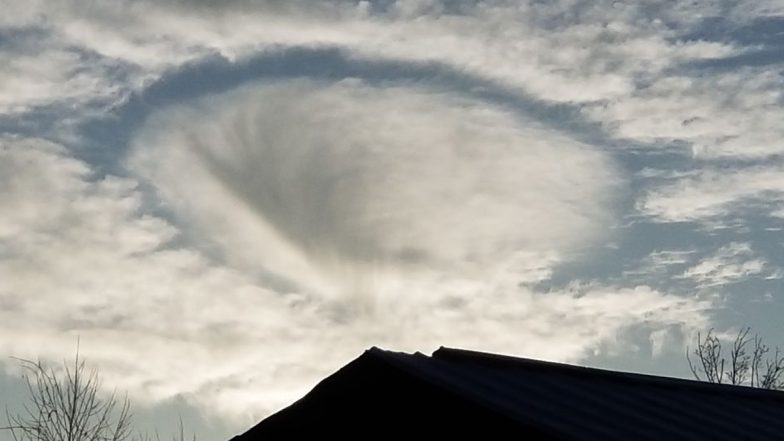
391, 358
466, 355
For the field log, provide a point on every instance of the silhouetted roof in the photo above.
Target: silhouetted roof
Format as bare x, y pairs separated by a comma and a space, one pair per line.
458, 392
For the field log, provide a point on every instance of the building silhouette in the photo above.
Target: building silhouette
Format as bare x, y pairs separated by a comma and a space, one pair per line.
458, 393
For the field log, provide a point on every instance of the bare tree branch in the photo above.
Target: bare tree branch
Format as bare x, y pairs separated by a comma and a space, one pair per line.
757, 368
68, 406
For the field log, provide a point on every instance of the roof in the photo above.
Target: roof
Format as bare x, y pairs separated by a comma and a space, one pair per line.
457, 392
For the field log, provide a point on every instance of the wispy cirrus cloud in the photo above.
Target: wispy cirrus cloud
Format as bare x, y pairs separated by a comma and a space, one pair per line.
726, 114
36, 75
731, 263
595, 55
711, 194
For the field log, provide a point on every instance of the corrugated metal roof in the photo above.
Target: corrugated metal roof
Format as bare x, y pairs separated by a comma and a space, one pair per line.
577, 403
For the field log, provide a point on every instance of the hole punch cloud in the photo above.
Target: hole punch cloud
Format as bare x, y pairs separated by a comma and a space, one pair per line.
310, 180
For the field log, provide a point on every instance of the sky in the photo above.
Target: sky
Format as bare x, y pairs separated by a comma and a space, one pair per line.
225, 201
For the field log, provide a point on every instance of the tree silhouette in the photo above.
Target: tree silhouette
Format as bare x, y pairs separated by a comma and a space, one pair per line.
68, 405
750, 361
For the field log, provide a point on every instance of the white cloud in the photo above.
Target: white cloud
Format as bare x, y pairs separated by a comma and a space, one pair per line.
731, 263
594, 55
317, 219
723, 114
711, 194
40, 76
80, 255
660, 340
659, 264
323, 177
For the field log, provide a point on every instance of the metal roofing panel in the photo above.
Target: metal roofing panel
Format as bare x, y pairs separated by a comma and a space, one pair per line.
416, 393
594, 404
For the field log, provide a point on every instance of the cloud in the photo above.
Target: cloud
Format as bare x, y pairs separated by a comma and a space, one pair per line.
38, 74
712, 194
78, 257
725, 114
320, 175
267, 235
596, 54
659, 265
162, 316
731, 263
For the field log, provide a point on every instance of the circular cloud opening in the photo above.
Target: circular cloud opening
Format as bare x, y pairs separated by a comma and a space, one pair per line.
321, 182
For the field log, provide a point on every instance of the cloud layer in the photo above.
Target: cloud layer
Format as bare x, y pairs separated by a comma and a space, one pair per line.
341, 215
304, 178
258, 238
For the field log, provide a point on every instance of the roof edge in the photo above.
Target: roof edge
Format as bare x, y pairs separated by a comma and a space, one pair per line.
468, 356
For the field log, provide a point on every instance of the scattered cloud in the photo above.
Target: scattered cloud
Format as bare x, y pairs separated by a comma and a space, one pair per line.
729, 114
660, 264
38, 75
731, 263
594, 55
713, 194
